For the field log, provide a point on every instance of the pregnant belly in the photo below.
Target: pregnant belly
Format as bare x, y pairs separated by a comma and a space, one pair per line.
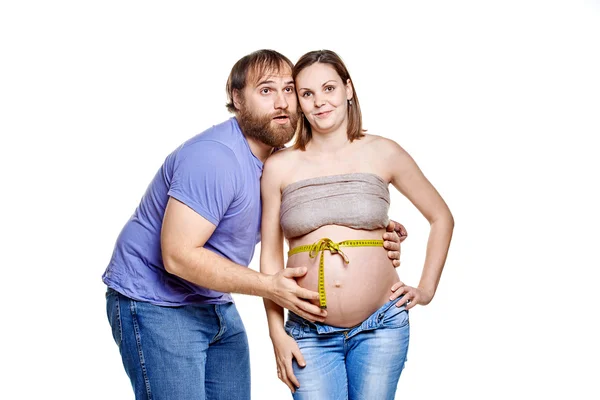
354, 291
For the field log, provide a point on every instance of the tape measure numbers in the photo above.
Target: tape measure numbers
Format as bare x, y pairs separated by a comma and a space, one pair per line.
327, 244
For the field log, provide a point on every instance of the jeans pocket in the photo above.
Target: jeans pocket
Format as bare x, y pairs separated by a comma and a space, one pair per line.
294, 329
395, 317
113, 312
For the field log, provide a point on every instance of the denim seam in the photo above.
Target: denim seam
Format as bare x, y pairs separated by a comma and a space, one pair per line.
138, 340
120, 328
222, 327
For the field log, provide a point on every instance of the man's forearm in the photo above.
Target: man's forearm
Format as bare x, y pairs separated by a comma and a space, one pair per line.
209, 270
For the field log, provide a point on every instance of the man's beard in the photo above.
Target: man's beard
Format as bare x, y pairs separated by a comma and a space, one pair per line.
262, 127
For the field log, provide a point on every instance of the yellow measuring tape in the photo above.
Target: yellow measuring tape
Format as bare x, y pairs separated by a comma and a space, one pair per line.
327, 244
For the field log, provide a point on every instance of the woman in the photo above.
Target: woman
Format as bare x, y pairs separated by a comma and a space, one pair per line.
328, 196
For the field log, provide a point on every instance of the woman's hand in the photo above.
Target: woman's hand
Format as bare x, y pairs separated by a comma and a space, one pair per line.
286, 349
412, 295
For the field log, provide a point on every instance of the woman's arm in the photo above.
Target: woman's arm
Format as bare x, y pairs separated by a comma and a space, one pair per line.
271, 248
410, 181
271, 262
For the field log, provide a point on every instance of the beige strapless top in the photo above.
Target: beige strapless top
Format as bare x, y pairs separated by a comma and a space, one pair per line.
356, 200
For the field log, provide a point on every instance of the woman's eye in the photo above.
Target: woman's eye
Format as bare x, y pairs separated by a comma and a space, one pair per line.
306, 94
329, 88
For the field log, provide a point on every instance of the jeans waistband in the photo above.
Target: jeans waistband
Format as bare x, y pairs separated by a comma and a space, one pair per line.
374, 321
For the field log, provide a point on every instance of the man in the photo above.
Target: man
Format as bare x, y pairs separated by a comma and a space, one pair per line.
190, 240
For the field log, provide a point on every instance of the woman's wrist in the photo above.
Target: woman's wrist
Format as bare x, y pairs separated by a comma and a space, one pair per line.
276, 331
427, 292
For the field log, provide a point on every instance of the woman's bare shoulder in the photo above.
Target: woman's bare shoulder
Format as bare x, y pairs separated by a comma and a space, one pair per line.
382, 145
281, 162
283, 156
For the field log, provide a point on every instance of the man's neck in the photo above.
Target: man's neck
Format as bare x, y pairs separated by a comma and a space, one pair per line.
259, 149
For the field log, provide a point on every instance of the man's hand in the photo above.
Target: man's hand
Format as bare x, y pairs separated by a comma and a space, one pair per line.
397, 227
394, 235
285, 291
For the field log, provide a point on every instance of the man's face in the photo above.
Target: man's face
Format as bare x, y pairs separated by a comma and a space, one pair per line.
268, 108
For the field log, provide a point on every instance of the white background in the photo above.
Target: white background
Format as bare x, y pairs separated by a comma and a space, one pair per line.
498, 102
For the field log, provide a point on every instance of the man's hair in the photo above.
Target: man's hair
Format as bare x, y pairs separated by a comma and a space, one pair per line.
253, 65
304, 131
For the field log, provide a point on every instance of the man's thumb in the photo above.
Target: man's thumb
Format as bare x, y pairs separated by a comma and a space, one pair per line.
294, 272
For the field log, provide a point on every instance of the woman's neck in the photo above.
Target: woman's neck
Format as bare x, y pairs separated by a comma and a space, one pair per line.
329, 142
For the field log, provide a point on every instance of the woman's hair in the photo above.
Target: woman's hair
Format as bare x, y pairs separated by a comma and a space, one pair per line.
254, 65
304, 131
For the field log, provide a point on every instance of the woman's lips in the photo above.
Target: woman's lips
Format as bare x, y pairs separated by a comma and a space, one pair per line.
323, 114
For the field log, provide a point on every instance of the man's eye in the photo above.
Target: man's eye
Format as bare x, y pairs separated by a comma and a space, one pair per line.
264, 91
289, 90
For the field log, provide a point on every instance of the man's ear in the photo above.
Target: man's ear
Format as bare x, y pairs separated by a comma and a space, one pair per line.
238, 99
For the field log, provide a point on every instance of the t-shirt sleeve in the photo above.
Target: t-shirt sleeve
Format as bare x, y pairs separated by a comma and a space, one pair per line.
205, 179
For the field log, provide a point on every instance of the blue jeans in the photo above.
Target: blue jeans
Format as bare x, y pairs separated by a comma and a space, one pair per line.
363, 362
180, 353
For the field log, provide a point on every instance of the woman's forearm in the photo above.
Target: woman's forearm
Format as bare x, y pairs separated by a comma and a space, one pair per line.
437, 251
275, 318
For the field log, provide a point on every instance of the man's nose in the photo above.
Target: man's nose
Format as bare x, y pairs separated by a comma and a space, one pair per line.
280, 101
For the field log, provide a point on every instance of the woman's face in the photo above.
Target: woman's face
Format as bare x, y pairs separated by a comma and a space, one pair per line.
323, 97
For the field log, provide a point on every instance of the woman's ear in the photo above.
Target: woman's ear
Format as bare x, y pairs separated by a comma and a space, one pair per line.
349, 91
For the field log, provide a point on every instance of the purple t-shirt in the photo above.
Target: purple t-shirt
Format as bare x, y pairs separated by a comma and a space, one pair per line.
216, 175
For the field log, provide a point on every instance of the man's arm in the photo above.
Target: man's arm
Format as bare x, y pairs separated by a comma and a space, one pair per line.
394, 235
184, 233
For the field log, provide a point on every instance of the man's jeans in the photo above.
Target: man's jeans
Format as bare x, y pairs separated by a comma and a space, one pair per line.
363, 362
181, 353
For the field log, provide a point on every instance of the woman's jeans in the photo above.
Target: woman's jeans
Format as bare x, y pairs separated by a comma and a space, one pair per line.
363, 362
181, 353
